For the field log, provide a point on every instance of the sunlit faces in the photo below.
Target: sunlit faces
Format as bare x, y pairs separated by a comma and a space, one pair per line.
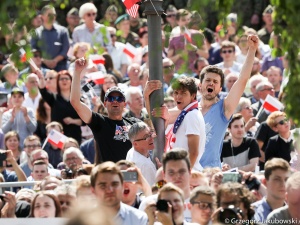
90, 16
12, 143
49, 16
108, 83
108, 189
202, 209
39, 172
283, 125
183, 98
177, 172
210, 86
276, 184
115, 107
81, 51
136, 101
184, 20
176, 201
124, 26
11, 77
44, 207
274, 77
247, 111
144, 140
228, 53
72, 160
17, 100
237, 129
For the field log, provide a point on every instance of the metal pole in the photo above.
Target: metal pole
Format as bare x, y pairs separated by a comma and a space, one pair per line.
153, 10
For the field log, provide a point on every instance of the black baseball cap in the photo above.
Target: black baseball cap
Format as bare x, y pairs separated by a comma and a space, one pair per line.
114, 89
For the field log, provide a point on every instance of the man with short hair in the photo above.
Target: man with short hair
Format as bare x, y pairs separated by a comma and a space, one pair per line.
107, 185
289, 212
275, 78
111, 132
52, 40
142, 139
240, 151
135, 101
133, 72
253, 82
39, 170
33, 96
277, 172
263, 89
265, 32
73, 20
168, 73
203, 201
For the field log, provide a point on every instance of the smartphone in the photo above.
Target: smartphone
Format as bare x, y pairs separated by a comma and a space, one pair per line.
232, 177
3, 99
130, 176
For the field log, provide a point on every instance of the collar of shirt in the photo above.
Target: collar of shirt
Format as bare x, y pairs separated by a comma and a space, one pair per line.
287, 140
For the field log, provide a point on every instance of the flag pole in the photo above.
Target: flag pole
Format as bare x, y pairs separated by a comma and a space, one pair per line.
45, 142
259, 111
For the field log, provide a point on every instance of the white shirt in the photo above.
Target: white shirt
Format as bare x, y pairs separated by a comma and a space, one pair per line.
31, 103
145, 164
193, 123
118, 56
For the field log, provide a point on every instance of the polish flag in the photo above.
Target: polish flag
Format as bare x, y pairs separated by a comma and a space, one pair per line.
97, 77
188, 36
129, 50
131, 7
272, 104
23, 55
97, 59
56, 138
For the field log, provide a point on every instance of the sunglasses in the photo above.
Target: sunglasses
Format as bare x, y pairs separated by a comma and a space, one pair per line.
160, 184
171, 15
146, 137
227, 51
203, 205
119, 99
91, 14
37, 56
282, 122
31, 146
169, 67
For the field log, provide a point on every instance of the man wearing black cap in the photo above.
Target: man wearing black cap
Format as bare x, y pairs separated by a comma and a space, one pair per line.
111, 132
265, 32
124, 34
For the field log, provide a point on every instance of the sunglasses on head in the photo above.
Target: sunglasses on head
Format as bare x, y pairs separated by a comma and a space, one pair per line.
282, 122
227, 51
160, 183
91, 14
115, 98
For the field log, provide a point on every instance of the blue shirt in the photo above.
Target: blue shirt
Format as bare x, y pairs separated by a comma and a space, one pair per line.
216, 124
88, 149
52, 43
262, 210
129, 215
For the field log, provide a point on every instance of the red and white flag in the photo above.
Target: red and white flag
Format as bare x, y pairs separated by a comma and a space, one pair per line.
131, 7
23, 55
97, 59
272, 104
188, 36
56, 138
129, 50
97, 77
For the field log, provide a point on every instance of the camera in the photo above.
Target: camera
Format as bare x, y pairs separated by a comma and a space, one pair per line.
2, 158
162, 205
229, 214
253, 184
130, 176
69, 173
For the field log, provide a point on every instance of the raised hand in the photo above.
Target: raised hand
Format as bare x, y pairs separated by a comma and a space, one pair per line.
253, 42
80, 64
151, 86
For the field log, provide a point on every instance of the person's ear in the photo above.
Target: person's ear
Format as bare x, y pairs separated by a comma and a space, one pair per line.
264, 181
189, 206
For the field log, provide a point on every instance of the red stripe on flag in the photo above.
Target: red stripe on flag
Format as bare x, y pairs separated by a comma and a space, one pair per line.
270, 107
99, 80
98, 61
133, 10
129, 53
58, 145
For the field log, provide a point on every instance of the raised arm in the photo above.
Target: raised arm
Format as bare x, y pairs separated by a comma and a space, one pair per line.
82, 109
233, 97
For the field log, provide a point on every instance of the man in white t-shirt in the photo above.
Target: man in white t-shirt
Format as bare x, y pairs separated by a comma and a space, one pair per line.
142, 141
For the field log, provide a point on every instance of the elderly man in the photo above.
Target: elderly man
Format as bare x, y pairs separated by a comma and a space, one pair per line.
33, 96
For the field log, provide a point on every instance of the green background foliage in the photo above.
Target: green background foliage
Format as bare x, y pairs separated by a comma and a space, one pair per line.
286, 23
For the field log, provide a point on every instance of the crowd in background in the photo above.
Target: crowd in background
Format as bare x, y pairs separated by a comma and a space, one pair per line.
227, 156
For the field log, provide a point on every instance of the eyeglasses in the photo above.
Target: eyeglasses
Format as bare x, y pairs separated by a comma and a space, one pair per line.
91, 14
284, 121
71, 159
64, 78
146, 137
50, 78
37, 56
267, 89
112, 35
160, 184
171, 15
227, 51
119, 99
51, 15
32, 146
169, 67
203, 205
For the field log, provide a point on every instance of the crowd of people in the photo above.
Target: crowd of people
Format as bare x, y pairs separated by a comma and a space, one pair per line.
76, 122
